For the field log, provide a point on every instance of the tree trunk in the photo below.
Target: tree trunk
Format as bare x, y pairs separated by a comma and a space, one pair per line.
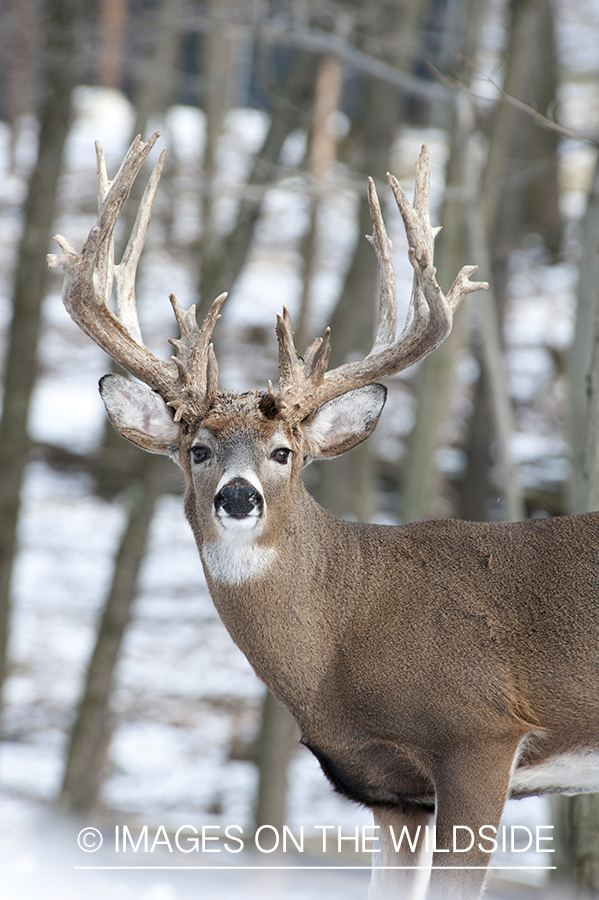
475, 489
113, 15
290, 104
217, 55
576, 872
520, 183
90, 735
346, 485
492, 359
436, 378
58, 76
582, 351
322, 153
156, 86
22, 35
278, 739
121, 465
577, 818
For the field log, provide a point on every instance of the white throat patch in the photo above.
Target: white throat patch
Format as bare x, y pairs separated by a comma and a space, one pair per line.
237, 560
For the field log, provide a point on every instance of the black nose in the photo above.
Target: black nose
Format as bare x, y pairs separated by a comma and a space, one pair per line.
238, 500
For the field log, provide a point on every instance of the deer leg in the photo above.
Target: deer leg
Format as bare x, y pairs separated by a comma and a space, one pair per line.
472, 789
408, 877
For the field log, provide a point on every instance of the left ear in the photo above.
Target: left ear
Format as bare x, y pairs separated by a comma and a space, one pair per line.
139, 414
345, 422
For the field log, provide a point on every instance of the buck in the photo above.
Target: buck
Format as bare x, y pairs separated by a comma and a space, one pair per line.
434, 669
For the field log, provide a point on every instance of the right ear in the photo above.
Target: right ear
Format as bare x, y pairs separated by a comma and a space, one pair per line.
344, 422
139, 414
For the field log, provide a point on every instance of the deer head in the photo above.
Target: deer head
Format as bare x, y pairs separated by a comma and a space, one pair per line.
242, 454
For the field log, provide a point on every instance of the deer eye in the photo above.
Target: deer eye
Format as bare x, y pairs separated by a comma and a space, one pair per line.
201, 453
280, 455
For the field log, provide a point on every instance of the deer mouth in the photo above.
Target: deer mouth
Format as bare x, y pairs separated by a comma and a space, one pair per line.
239, 506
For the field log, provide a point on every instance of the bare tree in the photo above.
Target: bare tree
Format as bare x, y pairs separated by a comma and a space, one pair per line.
91, 732
519, 187
157, 75
322, 153
520, 182
577, 818
219, 71
291, 98
21, 23
583, 361
465, 212
277, 740
113, 15
57, 77
519, 191
375, 125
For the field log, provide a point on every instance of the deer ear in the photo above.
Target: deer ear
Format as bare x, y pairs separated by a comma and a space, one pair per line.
345, 422
139, 414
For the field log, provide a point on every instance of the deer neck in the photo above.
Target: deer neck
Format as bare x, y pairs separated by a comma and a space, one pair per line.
284, 591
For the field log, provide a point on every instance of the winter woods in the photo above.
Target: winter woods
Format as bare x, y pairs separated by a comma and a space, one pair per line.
273, 114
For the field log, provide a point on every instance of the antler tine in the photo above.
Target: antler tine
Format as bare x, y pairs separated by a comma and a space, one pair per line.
195, 360
200, 356
299, 379
125, 272
102, 248
311, 352
428, 322
462, 286
422, 186
288, 359
104, 271
387, 320
102, 182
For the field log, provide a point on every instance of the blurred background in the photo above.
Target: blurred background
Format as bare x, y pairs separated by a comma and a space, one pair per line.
124, 700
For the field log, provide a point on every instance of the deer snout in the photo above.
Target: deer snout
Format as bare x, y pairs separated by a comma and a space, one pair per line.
239, 501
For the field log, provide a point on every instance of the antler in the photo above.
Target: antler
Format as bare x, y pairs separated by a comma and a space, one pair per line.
304, 385
188, 383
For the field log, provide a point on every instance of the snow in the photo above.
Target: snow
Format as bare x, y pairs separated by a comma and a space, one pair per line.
104, 115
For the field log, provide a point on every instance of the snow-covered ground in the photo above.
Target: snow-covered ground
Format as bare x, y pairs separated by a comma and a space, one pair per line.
184, 693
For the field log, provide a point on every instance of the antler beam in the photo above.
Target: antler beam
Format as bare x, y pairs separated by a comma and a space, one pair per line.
305, 385
189, 382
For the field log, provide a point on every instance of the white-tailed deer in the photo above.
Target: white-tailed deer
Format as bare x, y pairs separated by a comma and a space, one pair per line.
434, 669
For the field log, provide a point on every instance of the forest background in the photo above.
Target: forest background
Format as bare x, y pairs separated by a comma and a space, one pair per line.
121, 691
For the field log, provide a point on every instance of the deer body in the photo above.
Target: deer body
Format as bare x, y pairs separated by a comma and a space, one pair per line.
399, 648
386, 633
434, 669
